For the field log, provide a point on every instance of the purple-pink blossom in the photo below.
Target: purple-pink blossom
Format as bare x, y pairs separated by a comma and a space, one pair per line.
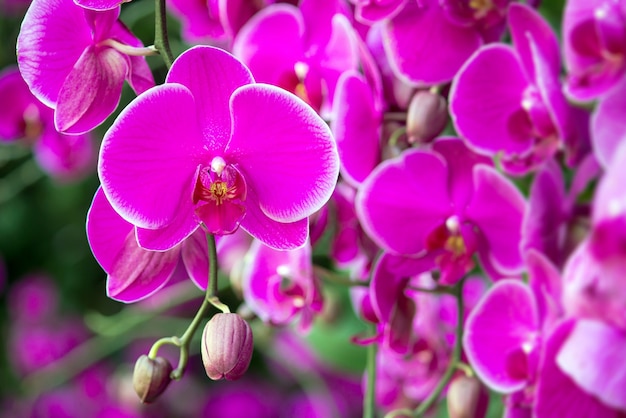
212, 147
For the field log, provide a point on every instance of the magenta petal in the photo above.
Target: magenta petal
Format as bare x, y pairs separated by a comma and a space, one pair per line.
545, 282
139, 75
271, 43
222, 219
438, 47
500, 333
543, 224
198, 19
99, 4
182, 226
133, 273
356, 125
371, 12
149, 156
57, 27
399, 205
277, 235
91, 91
497, 209
607, 124
106, 231
461, 161
285, 152
527, 26
212, 75
559, 396
593, 356
65, 157
195, 255
19, 107
486, 94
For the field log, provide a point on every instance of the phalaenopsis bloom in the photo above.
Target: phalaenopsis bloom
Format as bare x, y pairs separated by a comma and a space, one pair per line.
212, 147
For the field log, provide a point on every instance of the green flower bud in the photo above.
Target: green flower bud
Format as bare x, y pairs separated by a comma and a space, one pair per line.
151, 377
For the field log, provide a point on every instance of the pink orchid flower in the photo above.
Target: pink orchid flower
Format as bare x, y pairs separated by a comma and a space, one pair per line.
75, 61
212, 147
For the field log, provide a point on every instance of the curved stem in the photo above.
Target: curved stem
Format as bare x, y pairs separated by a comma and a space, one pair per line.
369, 400
161, 40
456, 355
130, 50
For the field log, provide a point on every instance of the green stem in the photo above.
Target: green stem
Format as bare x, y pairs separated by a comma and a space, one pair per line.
456, 355
209, 299
369, 400
161, 40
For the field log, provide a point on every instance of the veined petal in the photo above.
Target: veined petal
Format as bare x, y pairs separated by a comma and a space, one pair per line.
486, 95
557, 395
284, 150
133, 273
271, 43
356, 124
100, 4
438, 47
497, 209
607, 124
106, 231
150, 154
211, 75
53, 36
91, 90
593, 357
139, 75
182, 226
403, 200
500, 334
277, 235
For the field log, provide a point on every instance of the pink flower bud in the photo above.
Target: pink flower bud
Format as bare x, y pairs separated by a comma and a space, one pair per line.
151, 377
426, 117
467, 398
226, 346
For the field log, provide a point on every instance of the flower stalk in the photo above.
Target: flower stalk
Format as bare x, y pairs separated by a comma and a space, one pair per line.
161, 40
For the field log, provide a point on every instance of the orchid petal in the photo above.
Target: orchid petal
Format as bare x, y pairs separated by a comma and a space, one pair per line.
556, 393
59, 28
593, 357
277, 235
438, 47
195, 252
399, 206
212, 75
356, 125
91, 90
499, 333
149, 156
490, 87
497, 209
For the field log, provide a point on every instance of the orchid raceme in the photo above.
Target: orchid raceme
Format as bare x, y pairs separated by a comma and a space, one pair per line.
212, 147
89, 50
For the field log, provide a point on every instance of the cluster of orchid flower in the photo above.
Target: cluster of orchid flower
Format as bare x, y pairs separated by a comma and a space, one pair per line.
467, 190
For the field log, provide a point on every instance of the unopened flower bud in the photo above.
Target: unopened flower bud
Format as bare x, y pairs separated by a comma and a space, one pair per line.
467, 398
226, 346
426, 117
151, 377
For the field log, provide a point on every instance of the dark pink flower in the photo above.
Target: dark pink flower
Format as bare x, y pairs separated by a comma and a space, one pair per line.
447, 203
212, 147
507, 100
594, 46
278, 285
